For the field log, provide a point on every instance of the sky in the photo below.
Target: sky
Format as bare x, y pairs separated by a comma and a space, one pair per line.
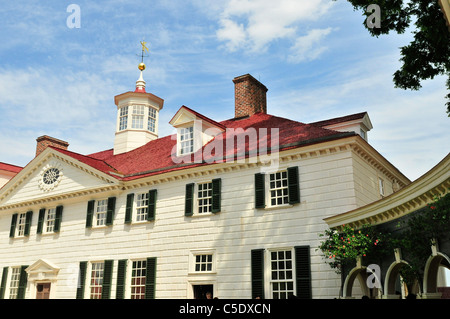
59, 78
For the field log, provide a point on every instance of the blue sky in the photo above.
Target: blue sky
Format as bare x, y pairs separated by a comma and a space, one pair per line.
315, 57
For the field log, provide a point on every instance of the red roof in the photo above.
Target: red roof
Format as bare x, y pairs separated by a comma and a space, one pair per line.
341, 119
10, 168
156, 156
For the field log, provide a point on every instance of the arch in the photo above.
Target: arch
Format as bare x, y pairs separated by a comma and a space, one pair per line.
431, 273
391, 278
359, 272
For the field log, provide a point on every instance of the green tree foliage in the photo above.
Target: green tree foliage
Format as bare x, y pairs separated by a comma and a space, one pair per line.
428, 55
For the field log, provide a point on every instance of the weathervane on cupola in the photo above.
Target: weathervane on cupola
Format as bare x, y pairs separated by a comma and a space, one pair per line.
140, 83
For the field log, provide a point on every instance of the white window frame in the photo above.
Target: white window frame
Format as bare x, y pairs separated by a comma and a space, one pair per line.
141, 285
381, 186
20, 226
123, 118
193, 262
151, 120
186, 140
277, 188
14, 279
100, 216
268, 271
200, 200
141, 205
97, 268
49, 221
138, 114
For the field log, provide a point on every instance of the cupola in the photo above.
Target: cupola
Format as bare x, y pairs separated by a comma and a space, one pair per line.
137, 116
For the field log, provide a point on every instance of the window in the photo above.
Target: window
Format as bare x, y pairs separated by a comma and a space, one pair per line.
50, 220
96, 285
281, 273
21, 222
204, 197
123, 118
141, 207
363, 133
14, 283
137, 117
186, 140
207, 199
138, 279
279, 188
282, 279
151, 119
381, 186
100, 212
203, 263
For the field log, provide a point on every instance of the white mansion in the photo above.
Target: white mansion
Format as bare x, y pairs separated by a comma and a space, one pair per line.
233, 207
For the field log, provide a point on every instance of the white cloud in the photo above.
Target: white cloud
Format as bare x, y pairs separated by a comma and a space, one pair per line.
410, 128
307, 47
73, 106
253, 24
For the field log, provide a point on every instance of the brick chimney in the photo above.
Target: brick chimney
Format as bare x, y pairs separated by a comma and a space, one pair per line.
45, 140
249, 96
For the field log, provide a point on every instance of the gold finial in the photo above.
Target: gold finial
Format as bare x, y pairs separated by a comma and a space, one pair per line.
141, 65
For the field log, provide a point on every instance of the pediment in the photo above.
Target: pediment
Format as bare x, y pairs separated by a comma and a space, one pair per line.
182, 117
51, 174
42, 270
42, 266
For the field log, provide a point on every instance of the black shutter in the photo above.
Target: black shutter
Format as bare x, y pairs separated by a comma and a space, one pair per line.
303, 272
58, 218
189, 200
107, 279
28, 218
121, 275
110, 211
260, 193
257, 261
23, 279
129, 209
151, 208
216, 196
41, 219
150, 280
12, 230
81, 280
90, 213
3, 282
293, 185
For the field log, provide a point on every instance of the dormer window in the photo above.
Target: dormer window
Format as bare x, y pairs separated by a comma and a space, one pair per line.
194, 131
186, 140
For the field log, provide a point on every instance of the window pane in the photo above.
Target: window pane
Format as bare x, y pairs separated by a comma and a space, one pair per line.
282, 283
278, 188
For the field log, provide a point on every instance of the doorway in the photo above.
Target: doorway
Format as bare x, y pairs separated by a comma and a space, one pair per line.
43, 290
201, 291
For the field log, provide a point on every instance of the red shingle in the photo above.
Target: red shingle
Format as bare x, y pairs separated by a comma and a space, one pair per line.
156, 156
